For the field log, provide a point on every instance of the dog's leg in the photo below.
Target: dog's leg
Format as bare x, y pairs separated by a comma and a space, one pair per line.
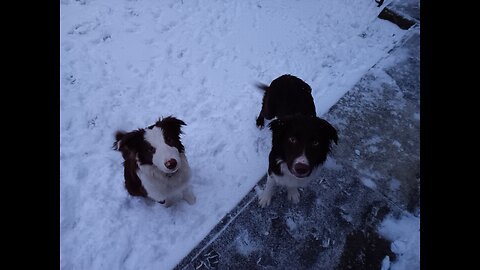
293, 195
263, 111
260, 120
267, 193
188, 196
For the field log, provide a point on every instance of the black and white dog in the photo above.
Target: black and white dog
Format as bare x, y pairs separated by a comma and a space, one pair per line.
301, 141
155, 164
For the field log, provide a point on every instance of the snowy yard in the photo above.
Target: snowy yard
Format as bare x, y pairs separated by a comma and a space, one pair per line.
124, 64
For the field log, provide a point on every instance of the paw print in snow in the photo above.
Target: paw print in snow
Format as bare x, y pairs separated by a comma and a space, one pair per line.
209, 261
83, 28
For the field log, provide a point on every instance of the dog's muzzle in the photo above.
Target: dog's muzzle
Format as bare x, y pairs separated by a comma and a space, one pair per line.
301, 170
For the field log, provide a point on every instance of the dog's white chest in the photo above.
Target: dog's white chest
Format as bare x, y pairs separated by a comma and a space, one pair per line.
159, 186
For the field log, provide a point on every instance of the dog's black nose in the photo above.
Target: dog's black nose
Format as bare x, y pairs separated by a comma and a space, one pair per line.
301, 168
171, 164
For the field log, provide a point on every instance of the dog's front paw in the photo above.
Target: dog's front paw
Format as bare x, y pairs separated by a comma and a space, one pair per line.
189, 197
264, 199
293, 195
168, 203
191, 200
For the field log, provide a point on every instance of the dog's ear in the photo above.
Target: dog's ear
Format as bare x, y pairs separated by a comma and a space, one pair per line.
171, 127
171, 123
277, 127
330, 131
128, 142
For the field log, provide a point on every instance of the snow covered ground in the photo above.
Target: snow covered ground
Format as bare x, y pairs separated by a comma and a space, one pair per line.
124, 64
405, 236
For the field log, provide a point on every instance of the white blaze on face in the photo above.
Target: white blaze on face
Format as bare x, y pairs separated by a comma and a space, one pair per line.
301, 159
163, 151
301, 166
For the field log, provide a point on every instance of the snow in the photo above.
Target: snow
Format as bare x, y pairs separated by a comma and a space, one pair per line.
368, 182
124, 64
405, 236
244, 244
394, 184
397, 143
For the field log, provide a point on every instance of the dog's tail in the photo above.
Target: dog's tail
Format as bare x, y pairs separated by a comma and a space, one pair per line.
261, 86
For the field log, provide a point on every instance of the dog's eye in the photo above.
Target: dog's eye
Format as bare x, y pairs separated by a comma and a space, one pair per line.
292, 139
151, 149
315, 143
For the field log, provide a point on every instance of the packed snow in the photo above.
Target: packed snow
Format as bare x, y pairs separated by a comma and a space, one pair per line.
125, 64
404, 233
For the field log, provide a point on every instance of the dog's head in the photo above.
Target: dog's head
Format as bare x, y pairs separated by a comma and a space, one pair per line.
157, 145
302, 142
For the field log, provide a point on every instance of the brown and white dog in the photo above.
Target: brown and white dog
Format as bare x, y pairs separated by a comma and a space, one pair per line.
301, 141
155, 164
